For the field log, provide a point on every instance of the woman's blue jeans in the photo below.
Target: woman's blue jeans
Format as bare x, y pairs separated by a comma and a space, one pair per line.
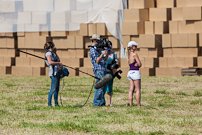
99, 99
55, 84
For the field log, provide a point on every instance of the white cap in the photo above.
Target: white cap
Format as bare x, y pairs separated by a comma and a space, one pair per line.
95, 36
132, 43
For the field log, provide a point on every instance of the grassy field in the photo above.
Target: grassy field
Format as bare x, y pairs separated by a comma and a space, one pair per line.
170, 105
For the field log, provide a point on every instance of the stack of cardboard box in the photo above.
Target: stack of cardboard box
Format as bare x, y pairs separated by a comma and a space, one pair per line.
168, 32
8, 43
170, 28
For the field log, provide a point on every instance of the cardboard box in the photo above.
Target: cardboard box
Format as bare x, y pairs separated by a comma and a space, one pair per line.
197, 25
115, 42
190, 62
71, 41
143, 52
38, 71
123, 63
22, 71
21, 42
159, 14
124, 71
79, 42
155, 52
152, 41
161, 27
192, 13
87, 63
5, 70
132, 28
35, 62
101, 29
76, 62
151, 62
92, 29
23, 54
73, 33
185, 52
88, 42
200, 39
177, 14
41, 53
193, 40
182, 27
181, 3
9, 61
176, 62
80, 53
83, 29
179, 40
149, 27
126, 40
167, 52
140, 4
3, 42
136, 15
47, 71
83, 69
163, 62
147, 71
60, 43
73, 72
199, 61
165, 3
70, 53
136, 39
58, 34
166, 40
173, 27
11, 42
142, 60
11, 52
22, 62
160, 71
193, 3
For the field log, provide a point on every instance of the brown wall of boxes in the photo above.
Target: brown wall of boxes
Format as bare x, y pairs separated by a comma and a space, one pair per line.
169, 33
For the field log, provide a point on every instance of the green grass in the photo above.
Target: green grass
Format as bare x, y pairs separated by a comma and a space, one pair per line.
170, 105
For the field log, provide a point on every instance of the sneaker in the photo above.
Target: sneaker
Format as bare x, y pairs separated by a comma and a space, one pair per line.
110, 105
57, 106
50, 106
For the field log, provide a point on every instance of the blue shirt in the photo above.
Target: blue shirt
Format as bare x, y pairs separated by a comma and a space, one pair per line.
94, 54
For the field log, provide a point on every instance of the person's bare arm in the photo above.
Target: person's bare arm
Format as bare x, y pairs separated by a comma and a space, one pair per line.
138, 64
101, 56
52, 62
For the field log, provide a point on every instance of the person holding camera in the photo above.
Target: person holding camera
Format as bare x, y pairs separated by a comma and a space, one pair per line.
53, 62
112, 64
133, 75
98, 59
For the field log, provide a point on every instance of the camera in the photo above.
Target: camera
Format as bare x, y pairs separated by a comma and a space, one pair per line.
102, 43
112, 66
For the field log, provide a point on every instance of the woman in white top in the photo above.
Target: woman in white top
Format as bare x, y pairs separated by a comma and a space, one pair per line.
53, 62
134, 76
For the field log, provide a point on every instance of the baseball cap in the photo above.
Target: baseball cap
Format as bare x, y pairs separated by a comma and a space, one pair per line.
95, 36
132, 43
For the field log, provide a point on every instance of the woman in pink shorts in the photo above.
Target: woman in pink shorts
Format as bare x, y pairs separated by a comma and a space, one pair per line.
133, 75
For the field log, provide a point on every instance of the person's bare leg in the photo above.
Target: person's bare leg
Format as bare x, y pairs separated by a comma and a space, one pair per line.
109, 95
138, 91
131, 91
